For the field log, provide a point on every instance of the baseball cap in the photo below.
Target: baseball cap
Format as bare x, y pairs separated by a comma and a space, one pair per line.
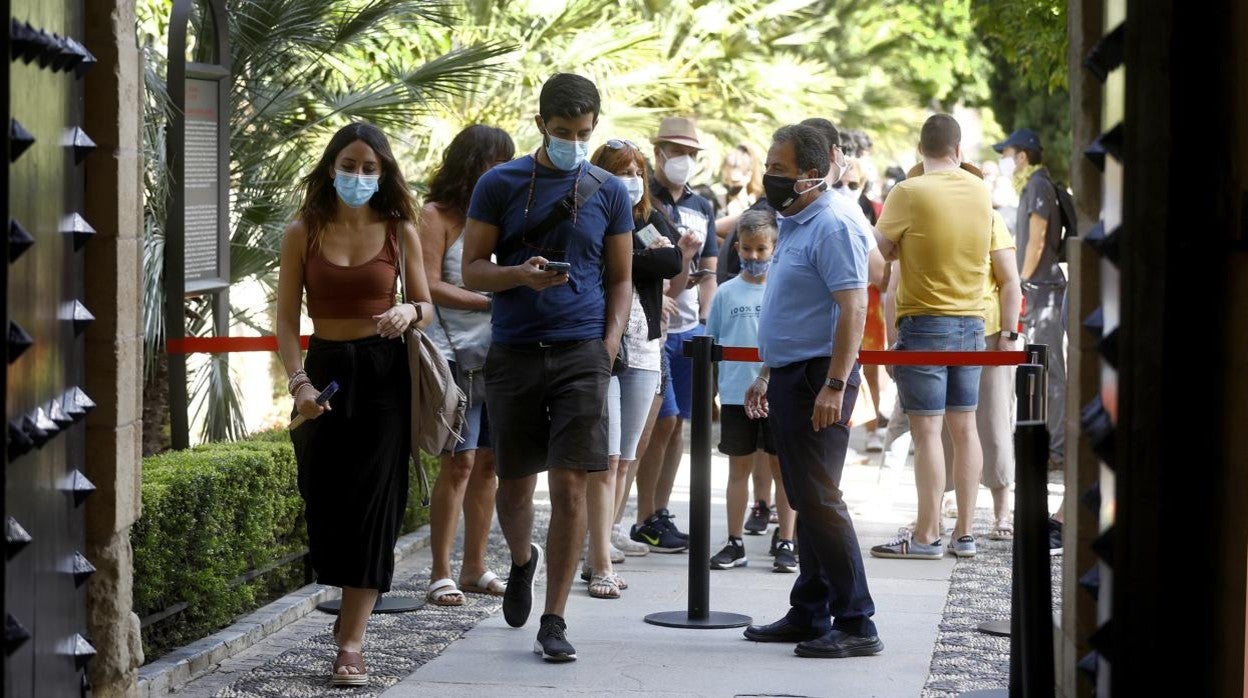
678, 130
1023, 139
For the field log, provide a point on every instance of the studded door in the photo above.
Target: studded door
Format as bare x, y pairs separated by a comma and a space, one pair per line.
46, 651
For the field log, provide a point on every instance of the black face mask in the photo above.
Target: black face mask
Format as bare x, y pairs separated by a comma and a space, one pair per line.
779, 190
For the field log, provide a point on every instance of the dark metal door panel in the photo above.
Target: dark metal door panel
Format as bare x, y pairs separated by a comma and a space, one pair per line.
43, 297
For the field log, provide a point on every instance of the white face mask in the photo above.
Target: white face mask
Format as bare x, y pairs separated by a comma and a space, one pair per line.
1006, 165
678, 169
635, 188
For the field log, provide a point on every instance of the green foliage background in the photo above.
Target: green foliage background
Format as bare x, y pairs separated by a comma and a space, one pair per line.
1027, 44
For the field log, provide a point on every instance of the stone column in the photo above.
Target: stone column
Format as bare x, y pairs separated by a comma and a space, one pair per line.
114, 342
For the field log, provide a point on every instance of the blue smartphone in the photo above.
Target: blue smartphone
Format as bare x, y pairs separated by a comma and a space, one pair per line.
327, 393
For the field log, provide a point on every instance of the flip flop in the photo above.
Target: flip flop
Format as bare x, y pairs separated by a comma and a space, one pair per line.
489, 583
440, 589
1002, 530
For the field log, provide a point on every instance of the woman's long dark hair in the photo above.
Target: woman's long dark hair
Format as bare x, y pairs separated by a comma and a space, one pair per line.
393, 199
473, 151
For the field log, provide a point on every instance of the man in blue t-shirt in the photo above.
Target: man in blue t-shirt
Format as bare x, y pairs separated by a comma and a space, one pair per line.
814, 306
556, 334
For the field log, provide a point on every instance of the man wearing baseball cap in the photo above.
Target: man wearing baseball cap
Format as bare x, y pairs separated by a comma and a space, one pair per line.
1038, 234
675, 148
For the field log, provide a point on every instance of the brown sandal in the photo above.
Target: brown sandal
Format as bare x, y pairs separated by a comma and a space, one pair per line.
349, 660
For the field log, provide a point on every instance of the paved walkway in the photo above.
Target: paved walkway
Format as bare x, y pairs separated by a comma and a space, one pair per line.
472, 652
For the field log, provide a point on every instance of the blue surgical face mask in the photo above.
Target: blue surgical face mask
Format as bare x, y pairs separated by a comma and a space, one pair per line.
355, 189
635, 189
566, 155
756, 267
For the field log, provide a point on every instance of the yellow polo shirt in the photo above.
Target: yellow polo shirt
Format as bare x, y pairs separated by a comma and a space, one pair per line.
943, 224
1001, 240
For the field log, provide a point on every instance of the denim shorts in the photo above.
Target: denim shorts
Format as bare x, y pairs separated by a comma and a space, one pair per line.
678, 397
476, 430
629, 398
933, 390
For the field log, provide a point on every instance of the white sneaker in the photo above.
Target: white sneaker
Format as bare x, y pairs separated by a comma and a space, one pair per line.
617, 555
875, 442
621, 541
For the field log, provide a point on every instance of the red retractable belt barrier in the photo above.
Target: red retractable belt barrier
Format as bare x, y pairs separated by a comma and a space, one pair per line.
908, 358
225, 345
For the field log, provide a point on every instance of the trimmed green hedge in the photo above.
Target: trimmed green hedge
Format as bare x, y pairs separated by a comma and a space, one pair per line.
212, 514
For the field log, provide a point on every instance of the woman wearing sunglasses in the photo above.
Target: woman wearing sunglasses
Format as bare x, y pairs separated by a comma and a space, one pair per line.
631, 393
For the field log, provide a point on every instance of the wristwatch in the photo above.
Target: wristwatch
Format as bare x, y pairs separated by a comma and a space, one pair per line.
835, 383
1010, 335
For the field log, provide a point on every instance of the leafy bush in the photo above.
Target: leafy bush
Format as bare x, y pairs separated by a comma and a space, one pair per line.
211, 515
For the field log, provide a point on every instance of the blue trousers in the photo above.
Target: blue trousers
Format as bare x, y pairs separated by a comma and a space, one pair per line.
831, 587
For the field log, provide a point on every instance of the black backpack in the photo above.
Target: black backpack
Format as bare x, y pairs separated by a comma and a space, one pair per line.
1069, 220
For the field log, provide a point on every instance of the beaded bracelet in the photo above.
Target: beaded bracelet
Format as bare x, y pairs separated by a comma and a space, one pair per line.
296, 383
299, 388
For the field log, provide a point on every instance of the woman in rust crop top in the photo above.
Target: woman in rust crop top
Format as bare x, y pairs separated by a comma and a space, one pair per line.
352, 453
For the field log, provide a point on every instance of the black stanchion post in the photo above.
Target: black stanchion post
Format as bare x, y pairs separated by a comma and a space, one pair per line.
1030, 627
1031, 647
704, 353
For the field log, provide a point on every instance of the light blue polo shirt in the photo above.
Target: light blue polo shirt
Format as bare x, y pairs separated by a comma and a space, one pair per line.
819, 252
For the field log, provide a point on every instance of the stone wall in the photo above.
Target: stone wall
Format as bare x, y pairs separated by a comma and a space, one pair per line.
114, 344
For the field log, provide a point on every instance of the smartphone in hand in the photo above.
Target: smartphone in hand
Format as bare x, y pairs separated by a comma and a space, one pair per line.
327, 393
561, 267
321, 399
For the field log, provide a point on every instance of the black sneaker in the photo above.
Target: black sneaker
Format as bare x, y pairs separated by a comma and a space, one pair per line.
1055, 537
552, 640
733, 555
775, 540
663, 518
518, 599
657, 537
785, 560
836, 645
760, 517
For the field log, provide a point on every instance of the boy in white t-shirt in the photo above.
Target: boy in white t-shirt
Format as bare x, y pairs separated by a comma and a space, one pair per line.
733, 321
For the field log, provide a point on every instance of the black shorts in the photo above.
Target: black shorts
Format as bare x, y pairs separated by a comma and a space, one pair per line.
547, 406
739, 435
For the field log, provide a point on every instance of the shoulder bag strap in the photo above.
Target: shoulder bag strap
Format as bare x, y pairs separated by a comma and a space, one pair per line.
588, 185
425, 490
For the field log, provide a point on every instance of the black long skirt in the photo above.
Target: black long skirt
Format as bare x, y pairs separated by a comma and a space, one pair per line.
353, 460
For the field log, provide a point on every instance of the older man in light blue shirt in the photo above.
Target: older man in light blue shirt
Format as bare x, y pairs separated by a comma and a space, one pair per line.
809, 333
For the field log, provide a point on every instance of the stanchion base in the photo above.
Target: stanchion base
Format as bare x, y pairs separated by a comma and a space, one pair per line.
714, 620
385, 604
999, 628
986, 693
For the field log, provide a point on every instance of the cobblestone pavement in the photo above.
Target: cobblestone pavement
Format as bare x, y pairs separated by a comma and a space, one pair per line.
296, 661
965, 659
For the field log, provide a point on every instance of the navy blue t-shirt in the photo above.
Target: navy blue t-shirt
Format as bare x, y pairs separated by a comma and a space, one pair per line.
576, 310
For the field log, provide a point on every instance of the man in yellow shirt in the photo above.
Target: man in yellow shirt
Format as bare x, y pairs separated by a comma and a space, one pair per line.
939, 226
994, 418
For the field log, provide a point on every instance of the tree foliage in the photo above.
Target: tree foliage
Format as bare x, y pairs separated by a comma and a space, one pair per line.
422, 70
1027, 41
301, 69
741, 67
